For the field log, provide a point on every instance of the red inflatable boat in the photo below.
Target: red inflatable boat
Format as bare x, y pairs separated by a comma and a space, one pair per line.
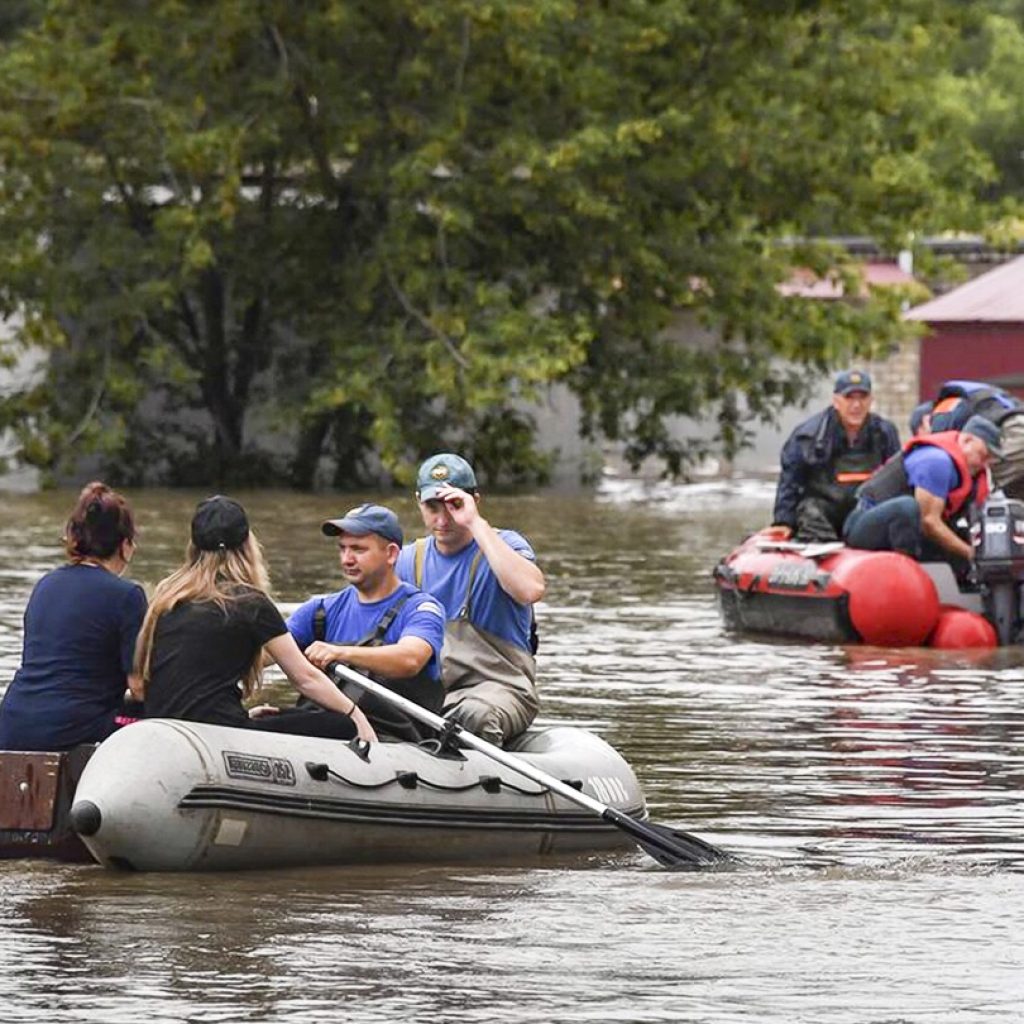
833, 593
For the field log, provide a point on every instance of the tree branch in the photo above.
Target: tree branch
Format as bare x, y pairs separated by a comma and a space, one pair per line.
424, 321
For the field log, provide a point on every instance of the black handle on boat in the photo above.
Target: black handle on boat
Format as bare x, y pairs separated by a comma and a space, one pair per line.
669, 847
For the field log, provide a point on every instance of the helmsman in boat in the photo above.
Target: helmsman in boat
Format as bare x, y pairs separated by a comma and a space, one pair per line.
826, 459
488, 581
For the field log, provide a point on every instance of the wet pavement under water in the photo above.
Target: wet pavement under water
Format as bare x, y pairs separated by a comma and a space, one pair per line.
874, 796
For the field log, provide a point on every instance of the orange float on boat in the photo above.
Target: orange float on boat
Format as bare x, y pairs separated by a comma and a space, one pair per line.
958, 628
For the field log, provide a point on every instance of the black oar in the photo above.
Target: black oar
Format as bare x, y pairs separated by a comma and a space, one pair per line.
667, 846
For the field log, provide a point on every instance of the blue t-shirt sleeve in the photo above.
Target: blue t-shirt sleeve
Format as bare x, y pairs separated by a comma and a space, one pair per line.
133, 611
300, 622
517, 542
931, 469
424, 618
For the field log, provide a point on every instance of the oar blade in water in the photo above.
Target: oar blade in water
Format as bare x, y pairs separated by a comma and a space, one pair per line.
670, 847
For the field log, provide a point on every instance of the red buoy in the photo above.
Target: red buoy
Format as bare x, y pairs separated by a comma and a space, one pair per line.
893, 601
958, 628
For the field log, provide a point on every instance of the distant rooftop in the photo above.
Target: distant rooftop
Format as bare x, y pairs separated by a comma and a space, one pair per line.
874, 274
963, 248
994, 297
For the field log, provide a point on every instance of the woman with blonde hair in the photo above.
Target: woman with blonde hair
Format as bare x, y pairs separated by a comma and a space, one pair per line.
80, 628
202, 644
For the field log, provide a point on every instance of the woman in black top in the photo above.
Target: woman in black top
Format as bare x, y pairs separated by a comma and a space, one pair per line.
202, 644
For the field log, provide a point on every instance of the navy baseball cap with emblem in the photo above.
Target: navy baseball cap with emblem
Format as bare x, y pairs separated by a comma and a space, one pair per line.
852, 380
364, 519
444, 470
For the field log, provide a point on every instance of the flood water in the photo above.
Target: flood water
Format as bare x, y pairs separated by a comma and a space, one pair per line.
874, 796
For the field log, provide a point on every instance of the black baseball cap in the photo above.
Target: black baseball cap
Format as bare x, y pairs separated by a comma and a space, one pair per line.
219, 524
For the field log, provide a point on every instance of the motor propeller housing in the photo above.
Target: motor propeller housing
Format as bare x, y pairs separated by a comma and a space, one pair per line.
998, 538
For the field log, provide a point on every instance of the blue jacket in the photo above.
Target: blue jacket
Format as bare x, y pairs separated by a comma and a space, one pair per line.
817, 444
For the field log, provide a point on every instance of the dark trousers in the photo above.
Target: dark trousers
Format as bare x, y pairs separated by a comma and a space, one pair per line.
895, 525
817, 520
329, 725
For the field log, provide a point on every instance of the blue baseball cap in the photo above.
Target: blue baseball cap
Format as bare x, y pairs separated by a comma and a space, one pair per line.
444, 470
852, 380
364, 519
987, 431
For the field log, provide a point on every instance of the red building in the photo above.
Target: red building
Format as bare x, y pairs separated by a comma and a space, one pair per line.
976, 332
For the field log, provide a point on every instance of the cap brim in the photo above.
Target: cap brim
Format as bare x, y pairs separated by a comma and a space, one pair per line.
332, 527
355, 528
429, 491
849, 391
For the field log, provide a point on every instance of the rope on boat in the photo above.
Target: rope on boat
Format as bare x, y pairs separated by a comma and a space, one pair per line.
410, 780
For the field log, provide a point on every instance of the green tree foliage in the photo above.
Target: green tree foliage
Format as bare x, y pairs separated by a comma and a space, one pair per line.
987, 78
389, 225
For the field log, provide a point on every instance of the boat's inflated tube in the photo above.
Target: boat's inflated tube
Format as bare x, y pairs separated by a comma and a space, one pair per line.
841, 594
893, 601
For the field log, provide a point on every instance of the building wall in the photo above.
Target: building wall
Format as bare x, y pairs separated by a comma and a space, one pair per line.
896, 384
992, 353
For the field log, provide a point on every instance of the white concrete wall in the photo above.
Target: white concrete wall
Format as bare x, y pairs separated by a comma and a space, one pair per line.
18, 477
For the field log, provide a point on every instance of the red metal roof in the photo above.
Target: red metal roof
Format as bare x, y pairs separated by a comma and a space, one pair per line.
995, 297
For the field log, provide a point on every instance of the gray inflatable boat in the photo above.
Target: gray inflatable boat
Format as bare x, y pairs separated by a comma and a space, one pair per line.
164, 795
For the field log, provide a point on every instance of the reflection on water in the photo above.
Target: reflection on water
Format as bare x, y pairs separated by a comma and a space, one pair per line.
874, 794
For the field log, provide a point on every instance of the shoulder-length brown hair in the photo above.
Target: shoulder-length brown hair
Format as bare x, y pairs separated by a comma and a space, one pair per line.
220, 576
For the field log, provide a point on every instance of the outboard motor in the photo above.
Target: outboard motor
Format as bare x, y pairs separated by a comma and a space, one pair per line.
998, 538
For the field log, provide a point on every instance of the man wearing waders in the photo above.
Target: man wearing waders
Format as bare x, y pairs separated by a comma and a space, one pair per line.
826, 459
488, 582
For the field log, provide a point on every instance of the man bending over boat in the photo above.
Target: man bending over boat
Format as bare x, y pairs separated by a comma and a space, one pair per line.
827, 458
913, 502
488, 582
380, 626
959, 400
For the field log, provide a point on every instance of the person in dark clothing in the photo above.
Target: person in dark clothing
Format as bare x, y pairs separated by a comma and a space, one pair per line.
80, 628
921, 419
382, 627
202, 644
912, 503
826, 459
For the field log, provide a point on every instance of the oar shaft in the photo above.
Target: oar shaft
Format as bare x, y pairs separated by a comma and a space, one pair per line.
468, 739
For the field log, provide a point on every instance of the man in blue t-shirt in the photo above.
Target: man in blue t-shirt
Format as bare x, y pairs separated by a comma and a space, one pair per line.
488, 581
912, 503
379, 625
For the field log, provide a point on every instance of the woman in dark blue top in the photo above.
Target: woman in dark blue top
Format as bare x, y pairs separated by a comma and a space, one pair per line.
80, 628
